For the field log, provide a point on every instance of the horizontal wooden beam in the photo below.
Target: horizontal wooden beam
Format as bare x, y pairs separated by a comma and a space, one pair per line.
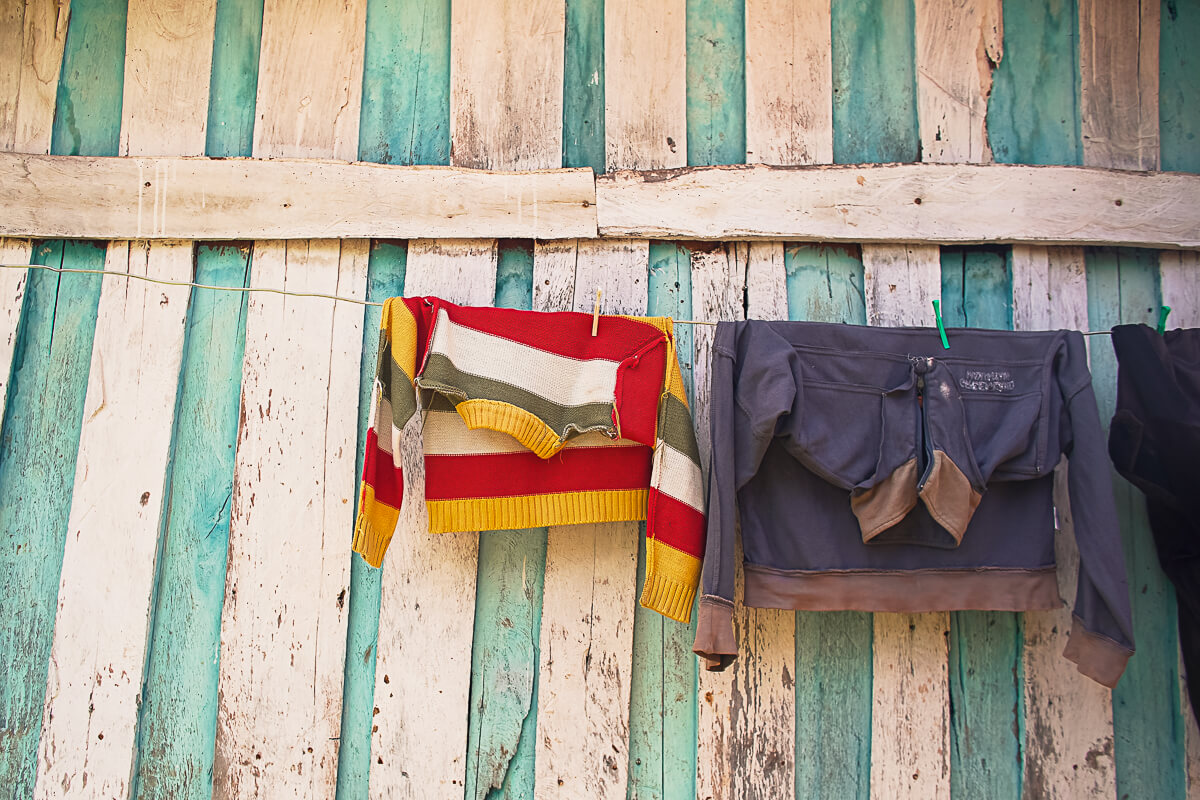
215, 199
219, 199
936, 203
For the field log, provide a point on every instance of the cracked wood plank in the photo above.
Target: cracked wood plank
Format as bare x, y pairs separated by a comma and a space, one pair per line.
590, 591
33, 36
12, 296
426, 616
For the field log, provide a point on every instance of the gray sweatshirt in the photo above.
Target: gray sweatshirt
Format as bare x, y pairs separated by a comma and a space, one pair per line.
870, 469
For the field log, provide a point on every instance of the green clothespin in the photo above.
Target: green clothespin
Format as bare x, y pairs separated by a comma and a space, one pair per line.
937, 314
1162, 319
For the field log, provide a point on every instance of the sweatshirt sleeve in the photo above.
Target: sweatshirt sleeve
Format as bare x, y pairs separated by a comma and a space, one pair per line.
393, 403
1101, 638
675, 508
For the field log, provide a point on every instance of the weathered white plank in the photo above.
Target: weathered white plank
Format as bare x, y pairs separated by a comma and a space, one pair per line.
789, 82
1180, 280
88, 741
506, 83
910, 713
586, 642
645, 84
423, 672
1118, 70
196, 198
283, 627
904, 203
959, 43
1068, 722
766, 281
310, 79
164, 107
32, 37
12, 294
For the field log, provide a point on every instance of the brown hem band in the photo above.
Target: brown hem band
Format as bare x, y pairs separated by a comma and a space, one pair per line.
907, 591
715, 639
1096, 656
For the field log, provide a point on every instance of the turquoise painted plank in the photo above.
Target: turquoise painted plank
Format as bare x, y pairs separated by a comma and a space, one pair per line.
1178, 87
385, 278
177, 730
662, 702
1148, 726
1033, 113
873, 44
976, 288
583, 85
38, 448
502, 717
87, 110
233, 88
405, 116
833, 649
716, 82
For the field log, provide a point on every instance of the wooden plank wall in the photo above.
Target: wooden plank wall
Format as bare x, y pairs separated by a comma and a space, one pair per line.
180, 616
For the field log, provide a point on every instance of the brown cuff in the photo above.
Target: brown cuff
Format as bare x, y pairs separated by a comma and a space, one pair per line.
1096, 656
715, 640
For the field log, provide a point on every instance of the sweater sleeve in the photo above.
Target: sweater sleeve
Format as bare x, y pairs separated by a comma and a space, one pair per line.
1101, 638
393, 403
675, 507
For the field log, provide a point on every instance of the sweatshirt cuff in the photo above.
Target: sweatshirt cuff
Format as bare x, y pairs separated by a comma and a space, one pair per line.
715, 641
1096, 656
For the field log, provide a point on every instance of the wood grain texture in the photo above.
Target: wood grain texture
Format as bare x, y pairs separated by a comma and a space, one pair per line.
958, 45
1179, 273
910, 720
12, 295
33, 36
506, 84
766, 281
645, 101
583, 85
1068, 717
95, 679
1118, 69
423, 672
163, 198
716, 81
283, 627
310, 79
168, 59
958, 204
789, 80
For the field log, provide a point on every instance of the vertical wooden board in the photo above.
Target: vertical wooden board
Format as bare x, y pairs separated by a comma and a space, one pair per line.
958, 45
87, 105
167, 48
789, 83
1123, 287
716, 82
1068, 717
1179, 273
874, 81
506, 84
583, 85
1118, 68
1179, 92
833, 649
33, 37
283, 627
95, 677
38, 450
310, 79
586, 639
766, 281
910, 741
423, 672
662, 704
1033, 111
385, 278
237, 36
177, 730
645, 86
12, 293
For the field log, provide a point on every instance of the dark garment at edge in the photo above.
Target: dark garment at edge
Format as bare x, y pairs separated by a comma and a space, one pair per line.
873, 470
1155, 443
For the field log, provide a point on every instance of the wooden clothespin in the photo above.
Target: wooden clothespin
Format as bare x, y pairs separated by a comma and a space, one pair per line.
596, 312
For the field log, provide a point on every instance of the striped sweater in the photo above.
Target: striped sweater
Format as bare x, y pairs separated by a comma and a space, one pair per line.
529, 421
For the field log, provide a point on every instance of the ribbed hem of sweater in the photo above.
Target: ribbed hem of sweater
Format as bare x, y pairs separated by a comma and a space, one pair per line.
518, 423
369, 542
671, 580
536, 510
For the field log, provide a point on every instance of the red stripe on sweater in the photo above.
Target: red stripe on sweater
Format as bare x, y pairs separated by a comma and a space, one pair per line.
378, 472
515, 474
674, 523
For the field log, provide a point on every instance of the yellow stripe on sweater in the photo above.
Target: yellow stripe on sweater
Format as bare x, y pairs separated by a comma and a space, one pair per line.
536, 510
401, 328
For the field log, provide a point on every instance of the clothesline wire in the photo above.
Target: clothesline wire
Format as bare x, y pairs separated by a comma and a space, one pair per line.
270, 290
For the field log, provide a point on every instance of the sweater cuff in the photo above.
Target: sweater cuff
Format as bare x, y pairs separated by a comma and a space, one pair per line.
671, 579
373, 530
715, 642
1096, 656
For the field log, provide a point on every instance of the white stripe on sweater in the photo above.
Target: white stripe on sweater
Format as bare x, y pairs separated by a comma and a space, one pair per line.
677, 475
